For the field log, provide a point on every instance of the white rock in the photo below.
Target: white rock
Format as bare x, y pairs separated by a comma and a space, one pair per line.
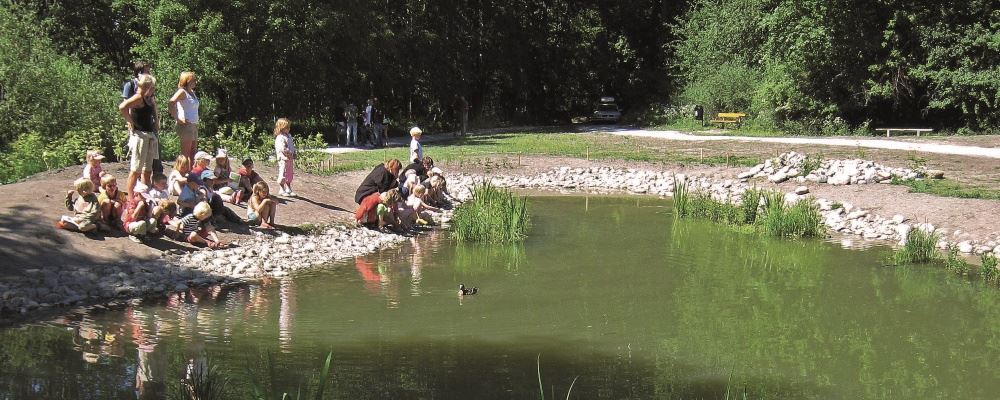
965, 246
899, 219
801, 190
778, 177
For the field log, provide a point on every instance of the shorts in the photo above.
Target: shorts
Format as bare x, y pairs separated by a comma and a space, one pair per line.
144, 147
252, 217
187, 131
137, 228
285, 172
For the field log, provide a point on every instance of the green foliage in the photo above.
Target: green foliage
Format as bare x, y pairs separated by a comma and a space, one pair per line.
920, 247
494, 215
31, 153
988, 268
204, 382
811, 164
955, 263
947, 188
802, 219
794, 64
44, 91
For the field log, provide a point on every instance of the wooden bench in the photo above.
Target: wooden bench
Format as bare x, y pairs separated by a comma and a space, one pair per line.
728, 118
888, 131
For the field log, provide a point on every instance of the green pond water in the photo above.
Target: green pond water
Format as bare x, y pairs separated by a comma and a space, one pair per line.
610, 291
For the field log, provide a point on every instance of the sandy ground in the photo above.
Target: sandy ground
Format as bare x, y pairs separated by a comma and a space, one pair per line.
29, 209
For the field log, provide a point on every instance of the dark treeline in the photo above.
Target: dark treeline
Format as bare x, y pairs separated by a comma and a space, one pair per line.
802, 66
513, 60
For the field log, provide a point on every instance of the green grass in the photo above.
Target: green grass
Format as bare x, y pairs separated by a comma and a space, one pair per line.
494, 215
955, 263
502, 151
988, 269
920, 247
946, 188
773, 217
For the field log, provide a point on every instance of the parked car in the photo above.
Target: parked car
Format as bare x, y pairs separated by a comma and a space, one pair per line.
607, 111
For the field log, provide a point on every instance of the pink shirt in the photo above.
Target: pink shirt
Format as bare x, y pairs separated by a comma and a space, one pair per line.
93, 173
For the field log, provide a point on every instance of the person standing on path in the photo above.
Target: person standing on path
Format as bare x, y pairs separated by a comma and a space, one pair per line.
140, 114
378, 124
464, 104
351, 116
183, 106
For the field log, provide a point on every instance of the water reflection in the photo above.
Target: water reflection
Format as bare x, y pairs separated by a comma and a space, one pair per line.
634, 303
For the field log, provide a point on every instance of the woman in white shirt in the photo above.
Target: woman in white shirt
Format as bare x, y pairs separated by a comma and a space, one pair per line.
183, 107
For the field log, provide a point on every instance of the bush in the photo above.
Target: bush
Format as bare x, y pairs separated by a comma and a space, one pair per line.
494, 215
920, 247
989, 268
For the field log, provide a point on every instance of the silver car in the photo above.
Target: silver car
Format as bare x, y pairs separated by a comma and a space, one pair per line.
607, 111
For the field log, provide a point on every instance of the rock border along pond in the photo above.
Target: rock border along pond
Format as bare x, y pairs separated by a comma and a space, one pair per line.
277, 256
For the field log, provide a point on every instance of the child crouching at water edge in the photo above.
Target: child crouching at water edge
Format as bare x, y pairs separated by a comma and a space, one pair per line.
87, 211
260, 208
419, 206
195, 228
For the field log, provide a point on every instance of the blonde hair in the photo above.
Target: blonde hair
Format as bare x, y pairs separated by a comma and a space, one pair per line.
419, 190
82, 184
202, 210
390, 196
92, 153
185, 79
282, 124
108, 179
415, 131
261, 186
182, 162
147, 81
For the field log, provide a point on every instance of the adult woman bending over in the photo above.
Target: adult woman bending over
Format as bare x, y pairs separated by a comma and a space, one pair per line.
183, 106
140, 114
380, 180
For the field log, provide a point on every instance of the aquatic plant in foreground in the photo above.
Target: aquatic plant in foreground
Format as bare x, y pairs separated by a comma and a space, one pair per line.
764, 210
494, 215
920, 247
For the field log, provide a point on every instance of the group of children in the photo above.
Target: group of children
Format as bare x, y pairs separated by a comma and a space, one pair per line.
421, 187
185, 201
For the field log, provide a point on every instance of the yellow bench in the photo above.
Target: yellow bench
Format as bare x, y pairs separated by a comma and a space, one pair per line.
728, 118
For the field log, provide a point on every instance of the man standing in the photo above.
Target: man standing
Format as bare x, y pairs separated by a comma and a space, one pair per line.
351, 115
462, 102
140, 68
377, 122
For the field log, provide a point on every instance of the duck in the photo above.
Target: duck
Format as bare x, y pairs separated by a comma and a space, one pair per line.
463, 291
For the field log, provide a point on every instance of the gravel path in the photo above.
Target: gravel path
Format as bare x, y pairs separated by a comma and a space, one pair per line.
846, 142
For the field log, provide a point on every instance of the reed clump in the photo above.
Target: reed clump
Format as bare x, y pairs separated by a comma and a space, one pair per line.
955, 263
920, 247
989, 268
764, 210
494, 215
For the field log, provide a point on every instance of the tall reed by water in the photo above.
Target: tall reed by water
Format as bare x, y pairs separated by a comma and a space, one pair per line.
494, 215
988, 269
764, 210
920, 247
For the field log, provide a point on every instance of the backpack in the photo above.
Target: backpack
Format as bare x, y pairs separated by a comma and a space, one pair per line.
129, 88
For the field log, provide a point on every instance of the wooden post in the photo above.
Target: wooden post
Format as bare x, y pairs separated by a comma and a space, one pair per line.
588, 153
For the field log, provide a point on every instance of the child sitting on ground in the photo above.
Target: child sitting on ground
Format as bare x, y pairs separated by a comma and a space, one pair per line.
260, 208
224, 185
178, 177
420, 208
112, 201
159, 203
87, 211
248, 178
215, 200
195, 228
135, 215
93, 169
201, 162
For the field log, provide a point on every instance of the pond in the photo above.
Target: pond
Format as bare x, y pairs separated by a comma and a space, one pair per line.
609, 291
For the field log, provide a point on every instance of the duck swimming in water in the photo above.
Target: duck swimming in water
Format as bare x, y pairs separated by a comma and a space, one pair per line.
463, 291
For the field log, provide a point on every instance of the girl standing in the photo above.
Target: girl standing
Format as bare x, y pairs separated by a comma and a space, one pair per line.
284, 151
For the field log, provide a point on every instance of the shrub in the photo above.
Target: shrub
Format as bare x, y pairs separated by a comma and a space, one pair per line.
920, 247
494, 215
956, 263
989, 268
